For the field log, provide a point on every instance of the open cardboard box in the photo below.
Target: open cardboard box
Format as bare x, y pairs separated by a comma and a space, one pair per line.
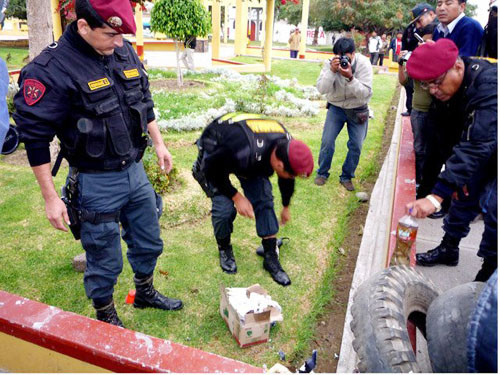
256, 326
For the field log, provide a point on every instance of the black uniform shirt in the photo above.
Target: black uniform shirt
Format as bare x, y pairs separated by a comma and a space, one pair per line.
49, 96
478, 145
232, 155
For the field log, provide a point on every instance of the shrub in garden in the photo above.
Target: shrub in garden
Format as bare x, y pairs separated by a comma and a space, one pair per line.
161, 181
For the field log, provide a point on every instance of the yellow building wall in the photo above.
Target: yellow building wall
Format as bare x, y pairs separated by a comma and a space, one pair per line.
17, 355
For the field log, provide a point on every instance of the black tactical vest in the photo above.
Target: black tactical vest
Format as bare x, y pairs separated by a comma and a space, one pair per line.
261, 132
107, 126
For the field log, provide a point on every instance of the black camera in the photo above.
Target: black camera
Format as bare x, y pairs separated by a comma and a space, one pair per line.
344, 61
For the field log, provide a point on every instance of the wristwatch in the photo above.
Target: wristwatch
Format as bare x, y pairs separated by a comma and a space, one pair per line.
401, 61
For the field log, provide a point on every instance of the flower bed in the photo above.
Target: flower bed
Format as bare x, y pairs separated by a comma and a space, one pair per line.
230, 91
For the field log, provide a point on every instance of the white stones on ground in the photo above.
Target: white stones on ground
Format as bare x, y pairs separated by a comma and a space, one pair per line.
341, 251
362, 196
80, 262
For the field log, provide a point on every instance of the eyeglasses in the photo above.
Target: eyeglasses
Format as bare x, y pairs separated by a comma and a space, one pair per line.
426, 85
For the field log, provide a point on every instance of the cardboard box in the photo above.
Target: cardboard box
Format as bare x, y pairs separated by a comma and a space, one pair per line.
255, 327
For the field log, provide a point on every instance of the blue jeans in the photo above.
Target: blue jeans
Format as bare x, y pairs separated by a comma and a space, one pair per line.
335, 120
482, 335
130, 192
259, 192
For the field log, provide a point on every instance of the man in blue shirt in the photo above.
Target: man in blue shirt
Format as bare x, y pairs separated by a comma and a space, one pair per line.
465, 32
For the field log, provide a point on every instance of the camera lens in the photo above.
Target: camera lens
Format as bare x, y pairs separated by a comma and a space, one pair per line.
344, 61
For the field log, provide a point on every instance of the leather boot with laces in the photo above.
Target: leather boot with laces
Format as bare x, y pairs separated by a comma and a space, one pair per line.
147, 296
446, 253
108, 314
226, 256
272, 263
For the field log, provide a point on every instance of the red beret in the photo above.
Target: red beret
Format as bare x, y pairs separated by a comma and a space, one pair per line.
300, 158
117, 14
430, 60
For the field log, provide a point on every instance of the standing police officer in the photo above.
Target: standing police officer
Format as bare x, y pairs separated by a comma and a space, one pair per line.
91, 90
252, 147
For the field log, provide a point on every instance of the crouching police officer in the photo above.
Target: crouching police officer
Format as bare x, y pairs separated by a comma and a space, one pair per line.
252, 147
91, 91
471, 171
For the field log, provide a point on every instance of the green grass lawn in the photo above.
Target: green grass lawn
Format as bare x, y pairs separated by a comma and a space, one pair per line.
36, 259
14, 57
306, 73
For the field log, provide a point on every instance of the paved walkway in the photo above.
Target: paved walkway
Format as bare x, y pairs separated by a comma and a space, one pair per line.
429, 236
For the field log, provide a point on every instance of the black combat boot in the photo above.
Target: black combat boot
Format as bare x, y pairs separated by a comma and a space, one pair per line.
272, 263
446, 253
279, 242
147, 296
226, 256
487, 269
107, 314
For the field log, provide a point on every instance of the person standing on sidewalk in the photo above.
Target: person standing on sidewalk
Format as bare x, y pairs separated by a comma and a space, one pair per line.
187, 54
473, 82
395, 46
374, 44
346, 80
294, 42
383, 49
464, 31
419, 115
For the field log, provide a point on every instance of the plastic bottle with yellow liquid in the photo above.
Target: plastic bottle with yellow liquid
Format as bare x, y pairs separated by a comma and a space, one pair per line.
406, 234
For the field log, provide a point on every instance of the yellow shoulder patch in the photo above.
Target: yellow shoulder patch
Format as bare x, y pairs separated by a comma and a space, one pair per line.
131, 73
265, 126
240, 116
100, 83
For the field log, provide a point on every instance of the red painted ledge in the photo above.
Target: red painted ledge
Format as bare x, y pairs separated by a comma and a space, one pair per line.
109, 347
405, 188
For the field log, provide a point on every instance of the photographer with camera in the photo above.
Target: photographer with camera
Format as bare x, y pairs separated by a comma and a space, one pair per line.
346, 80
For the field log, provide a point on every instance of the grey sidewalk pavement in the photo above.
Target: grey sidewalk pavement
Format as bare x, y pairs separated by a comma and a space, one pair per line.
429, 236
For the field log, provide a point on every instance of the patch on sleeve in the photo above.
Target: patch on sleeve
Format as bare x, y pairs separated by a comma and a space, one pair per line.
33, 91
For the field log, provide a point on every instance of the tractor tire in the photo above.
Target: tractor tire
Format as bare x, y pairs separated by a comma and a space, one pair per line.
447, 321
382, 306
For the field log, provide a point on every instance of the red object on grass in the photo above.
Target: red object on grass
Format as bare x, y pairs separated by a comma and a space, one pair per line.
130, 296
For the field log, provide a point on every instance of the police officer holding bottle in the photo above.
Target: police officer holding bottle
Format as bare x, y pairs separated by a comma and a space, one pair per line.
90, 90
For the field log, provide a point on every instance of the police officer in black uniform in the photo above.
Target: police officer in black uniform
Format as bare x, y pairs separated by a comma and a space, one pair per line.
252, 147
91, 90
473, 163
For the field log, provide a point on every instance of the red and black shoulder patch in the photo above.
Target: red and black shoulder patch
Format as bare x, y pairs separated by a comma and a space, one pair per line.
33, 91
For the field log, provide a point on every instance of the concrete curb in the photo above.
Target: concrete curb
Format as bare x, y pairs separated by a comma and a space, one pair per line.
374, 244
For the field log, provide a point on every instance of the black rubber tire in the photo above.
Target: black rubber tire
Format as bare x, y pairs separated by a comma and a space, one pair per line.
447, 321
382, 306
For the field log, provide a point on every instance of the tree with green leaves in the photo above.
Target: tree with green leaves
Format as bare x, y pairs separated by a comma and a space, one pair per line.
180, 20
364, 15
16, 8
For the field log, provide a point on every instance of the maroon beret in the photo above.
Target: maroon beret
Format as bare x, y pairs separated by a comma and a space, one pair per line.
300, 158
430, 60
117, 14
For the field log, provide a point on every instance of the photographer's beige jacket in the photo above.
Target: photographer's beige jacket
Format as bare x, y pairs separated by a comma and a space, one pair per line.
342, 93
